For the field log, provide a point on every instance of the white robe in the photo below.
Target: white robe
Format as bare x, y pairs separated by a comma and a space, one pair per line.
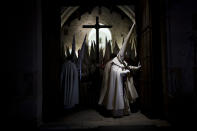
69, 84
113, 94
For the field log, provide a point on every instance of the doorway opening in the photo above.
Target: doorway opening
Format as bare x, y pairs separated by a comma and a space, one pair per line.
121, 19
72, 20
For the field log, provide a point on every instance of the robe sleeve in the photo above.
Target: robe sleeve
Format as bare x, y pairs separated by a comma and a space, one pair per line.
124, 72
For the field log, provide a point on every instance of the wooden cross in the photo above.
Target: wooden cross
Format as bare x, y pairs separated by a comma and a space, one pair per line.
97, 26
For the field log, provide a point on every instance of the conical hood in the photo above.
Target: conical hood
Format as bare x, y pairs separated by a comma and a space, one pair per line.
73, 54
133, 45
109, 46
128, 50
107, 51
122, 40
67, 51
80, 56
101, 56
86, 54
86, 60
116, 49
124, 46
92, 52
73, 46
94, 47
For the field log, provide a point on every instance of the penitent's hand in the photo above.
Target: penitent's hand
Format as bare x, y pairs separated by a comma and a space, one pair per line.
139, 65
135, 67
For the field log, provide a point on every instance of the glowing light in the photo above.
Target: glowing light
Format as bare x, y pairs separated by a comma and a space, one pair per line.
103, 33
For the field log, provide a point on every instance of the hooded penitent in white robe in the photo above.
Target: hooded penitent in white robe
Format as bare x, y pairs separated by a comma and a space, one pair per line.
116, 92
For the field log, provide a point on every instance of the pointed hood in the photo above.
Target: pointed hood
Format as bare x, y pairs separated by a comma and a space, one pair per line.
101, 56
80, 57
86, 60
73, 46
67, 51
133, 45
94, 43
73, 54
91, 49
86, 52
81, 54
109, 46
128, 50
108, 52
92, 52
95, 49
134, 42
122, 40
116, 48
122, 51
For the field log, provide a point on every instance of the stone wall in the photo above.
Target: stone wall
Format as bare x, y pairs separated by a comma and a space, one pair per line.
120, 26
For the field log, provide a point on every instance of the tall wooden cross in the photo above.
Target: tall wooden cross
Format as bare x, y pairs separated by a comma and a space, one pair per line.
97, 26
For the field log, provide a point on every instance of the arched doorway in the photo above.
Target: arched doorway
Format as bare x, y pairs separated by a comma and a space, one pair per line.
110, 41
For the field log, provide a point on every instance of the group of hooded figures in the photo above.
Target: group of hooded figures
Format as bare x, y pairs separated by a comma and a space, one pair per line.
117, 91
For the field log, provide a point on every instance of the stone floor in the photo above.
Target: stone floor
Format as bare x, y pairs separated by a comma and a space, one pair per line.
91, 119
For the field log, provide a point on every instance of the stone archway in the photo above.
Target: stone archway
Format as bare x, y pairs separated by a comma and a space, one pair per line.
68, 11
117, 34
